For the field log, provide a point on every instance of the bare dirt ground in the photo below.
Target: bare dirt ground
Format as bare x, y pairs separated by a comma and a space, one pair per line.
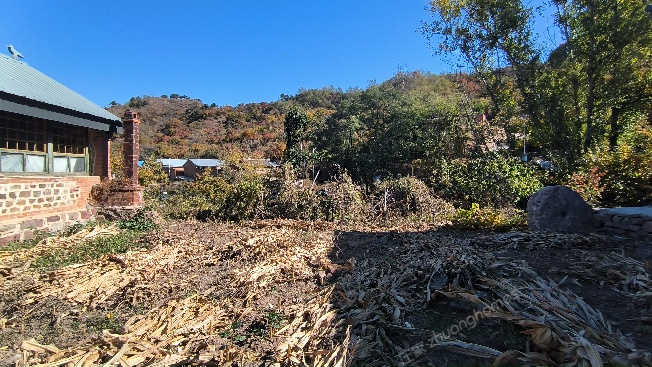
312, 293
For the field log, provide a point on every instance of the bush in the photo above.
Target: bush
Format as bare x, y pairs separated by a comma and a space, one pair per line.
151, 173
296, 199
101, 192
409, 197
478, 218
141, 221
246, 199
343, 200
588, 184
620, 176
492, 180
238, 196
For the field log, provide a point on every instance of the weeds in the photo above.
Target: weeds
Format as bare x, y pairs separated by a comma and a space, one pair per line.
140, 222
38, 236
477, 218
234, 332
90, 250
100, 323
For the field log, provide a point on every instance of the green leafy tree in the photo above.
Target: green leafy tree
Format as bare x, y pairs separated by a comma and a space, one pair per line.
493, 37
296, 125
590, 89
610, 44
151, 173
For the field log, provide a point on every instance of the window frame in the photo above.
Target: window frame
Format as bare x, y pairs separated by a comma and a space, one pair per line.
48, 144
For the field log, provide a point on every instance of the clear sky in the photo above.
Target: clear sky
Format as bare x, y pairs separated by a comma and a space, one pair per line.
223, 52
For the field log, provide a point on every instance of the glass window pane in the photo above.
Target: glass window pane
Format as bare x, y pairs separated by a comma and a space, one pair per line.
61, 164
34, 163
77, 164
12, 162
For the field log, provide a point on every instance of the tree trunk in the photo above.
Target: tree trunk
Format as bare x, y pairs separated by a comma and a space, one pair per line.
615, 127
591, 75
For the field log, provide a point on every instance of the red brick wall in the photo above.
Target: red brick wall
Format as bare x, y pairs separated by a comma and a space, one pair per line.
190, 170
42, 202
100, 153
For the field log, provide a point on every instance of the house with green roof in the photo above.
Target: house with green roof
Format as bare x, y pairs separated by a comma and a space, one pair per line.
54, 146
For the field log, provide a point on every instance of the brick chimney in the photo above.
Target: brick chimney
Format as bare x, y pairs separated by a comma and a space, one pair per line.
130, 146
132, 194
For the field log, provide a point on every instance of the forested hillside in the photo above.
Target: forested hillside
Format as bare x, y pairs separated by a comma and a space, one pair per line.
371, 131
183, 128
178, 126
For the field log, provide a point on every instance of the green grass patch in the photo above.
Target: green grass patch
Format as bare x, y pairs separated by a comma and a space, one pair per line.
24, 245
89, 250
107, 322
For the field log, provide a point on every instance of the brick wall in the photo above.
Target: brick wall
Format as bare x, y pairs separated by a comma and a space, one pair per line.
191, 170
100, 152
42, 202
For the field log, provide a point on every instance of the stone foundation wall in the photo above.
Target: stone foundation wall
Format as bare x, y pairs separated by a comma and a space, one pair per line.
630, 222
43, 203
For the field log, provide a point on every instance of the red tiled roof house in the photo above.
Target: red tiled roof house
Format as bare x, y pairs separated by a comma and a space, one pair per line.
54, 146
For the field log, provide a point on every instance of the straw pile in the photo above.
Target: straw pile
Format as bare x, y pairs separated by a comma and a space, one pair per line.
304, 294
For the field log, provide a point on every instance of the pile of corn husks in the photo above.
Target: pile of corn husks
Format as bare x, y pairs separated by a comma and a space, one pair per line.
211, 290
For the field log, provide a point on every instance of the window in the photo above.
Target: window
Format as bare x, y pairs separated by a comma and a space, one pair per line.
69, 150
24, 143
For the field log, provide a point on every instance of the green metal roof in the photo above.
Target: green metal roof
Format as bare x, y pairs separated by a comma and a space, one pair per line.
27, 91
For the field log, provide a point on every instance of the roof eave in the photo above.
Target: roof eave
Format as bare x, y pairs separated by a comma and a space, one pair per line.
30, 107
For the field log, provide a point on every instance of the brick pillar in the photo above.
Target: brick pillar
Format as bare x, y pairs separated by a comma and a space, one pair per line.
130, 147
132, 194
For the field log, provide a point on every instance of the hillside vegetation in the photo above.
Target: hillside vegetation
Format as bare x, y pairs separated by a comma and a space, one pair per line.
579, 115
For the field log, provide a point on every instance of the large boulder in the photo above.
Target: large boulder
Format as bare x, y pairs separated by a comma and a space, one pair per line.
560, 209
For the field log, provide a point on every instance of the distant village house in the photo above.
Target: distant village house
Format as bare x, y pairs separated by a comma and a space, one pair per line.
194, 167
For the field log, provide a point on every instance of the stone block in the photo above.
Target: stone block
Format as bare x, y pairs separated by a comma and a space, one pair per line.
7, 239
559, 208
637, 220
8, 227
27, 235
35, 223
53, 218
57, 226
647, 226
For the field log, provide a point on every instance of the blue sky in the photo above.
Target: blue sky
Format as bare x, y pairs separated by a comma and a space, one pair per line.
223, 52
